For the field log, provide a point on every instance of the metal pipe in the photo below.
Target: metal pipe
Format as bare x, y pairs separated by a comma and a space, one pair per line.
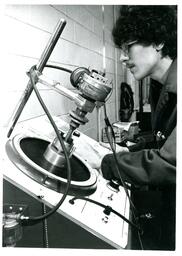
40, 66
56, 86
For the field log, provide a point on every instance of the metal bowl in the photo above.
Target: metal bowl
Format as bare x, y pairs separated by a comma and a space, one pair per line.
26, 153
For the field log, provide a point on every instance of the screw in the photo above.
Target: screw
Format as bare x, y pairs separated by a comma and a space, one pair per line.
110, 197
105, 219
40, 196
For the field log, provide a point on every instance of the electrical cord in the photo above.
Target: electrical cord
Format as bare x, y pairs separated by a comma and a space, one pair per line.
111, 141
58, 67
108, 97
45, 228
54, 209
108, 124
107, 210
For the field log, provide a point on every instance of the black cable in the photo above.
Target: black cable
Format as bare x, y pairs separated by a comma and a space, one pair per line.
107, 211
54, 209
108, 97
121, 179
58, 67
133, 209
108, 126
45, 228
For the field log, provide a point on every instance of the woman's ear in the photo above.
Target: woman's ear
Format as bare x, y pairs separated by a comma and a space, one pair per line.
159, 47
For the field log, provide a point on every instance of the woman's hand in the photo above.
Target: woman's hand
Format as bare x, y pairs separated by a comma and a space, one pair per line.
103, 150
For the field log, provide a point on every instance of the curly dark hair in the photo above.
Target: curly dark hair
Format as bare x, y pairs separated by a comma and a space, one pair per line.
148, 24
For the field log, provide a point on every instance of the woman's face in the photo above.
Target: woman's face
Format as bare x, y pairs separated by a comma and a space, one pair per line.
141, 60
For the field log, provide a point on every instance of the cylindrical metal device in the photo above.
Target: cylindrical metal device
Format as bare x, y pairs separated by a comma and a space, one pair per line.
95, 87
55, 155
12, 232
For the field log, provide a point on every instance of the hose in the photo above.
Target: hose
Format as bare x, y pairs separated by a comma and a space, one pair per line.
133, 209
45, 228
54, 209
107, 210
58, 67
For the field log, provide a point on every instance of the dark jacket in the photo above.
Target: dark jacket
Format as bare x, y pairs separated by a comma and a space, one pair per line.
156, 166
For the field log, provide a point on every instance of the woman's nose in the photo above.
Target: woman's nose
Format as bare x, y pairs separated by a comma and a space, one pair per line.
124, 57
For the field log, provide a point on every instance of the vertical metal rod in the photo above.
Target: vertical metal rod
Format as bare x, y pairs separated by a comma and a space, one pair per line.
98, 110
117, 99
98, 113
40, 66
140, 103
141, 97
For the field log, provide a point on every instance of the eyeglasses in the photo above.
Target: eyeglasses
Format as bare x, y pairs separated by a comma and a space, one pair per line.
126, 46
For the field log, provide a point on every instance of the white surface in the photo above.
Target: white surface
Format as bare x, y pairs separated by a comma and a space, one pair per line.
86, 214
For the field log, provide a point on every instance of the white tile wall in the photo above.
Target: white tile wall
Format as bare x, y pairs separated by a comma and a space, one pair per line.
23, 39
96, 43
60, 8
110, 65
41, 16
98, 27
108, 36
82, 35
95, 10
9, 100
15, 72
28, 29
109, 16
110, 51
109, 12
81, 15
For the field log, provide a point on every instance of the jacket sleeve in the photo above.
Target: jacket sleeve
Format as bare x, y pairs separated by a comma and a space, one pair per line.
144, 167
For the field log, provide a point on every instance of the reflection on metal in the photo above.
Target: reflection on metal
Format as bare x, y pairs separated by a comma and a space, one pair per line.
27, 154
12, 232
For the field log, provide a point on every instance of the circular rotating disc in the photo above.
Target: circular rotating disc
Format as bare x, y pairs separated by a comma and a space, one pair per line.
27, 154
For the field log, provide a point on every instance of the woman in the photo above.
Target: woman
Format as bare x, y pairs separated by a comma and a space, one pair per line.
147, 36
